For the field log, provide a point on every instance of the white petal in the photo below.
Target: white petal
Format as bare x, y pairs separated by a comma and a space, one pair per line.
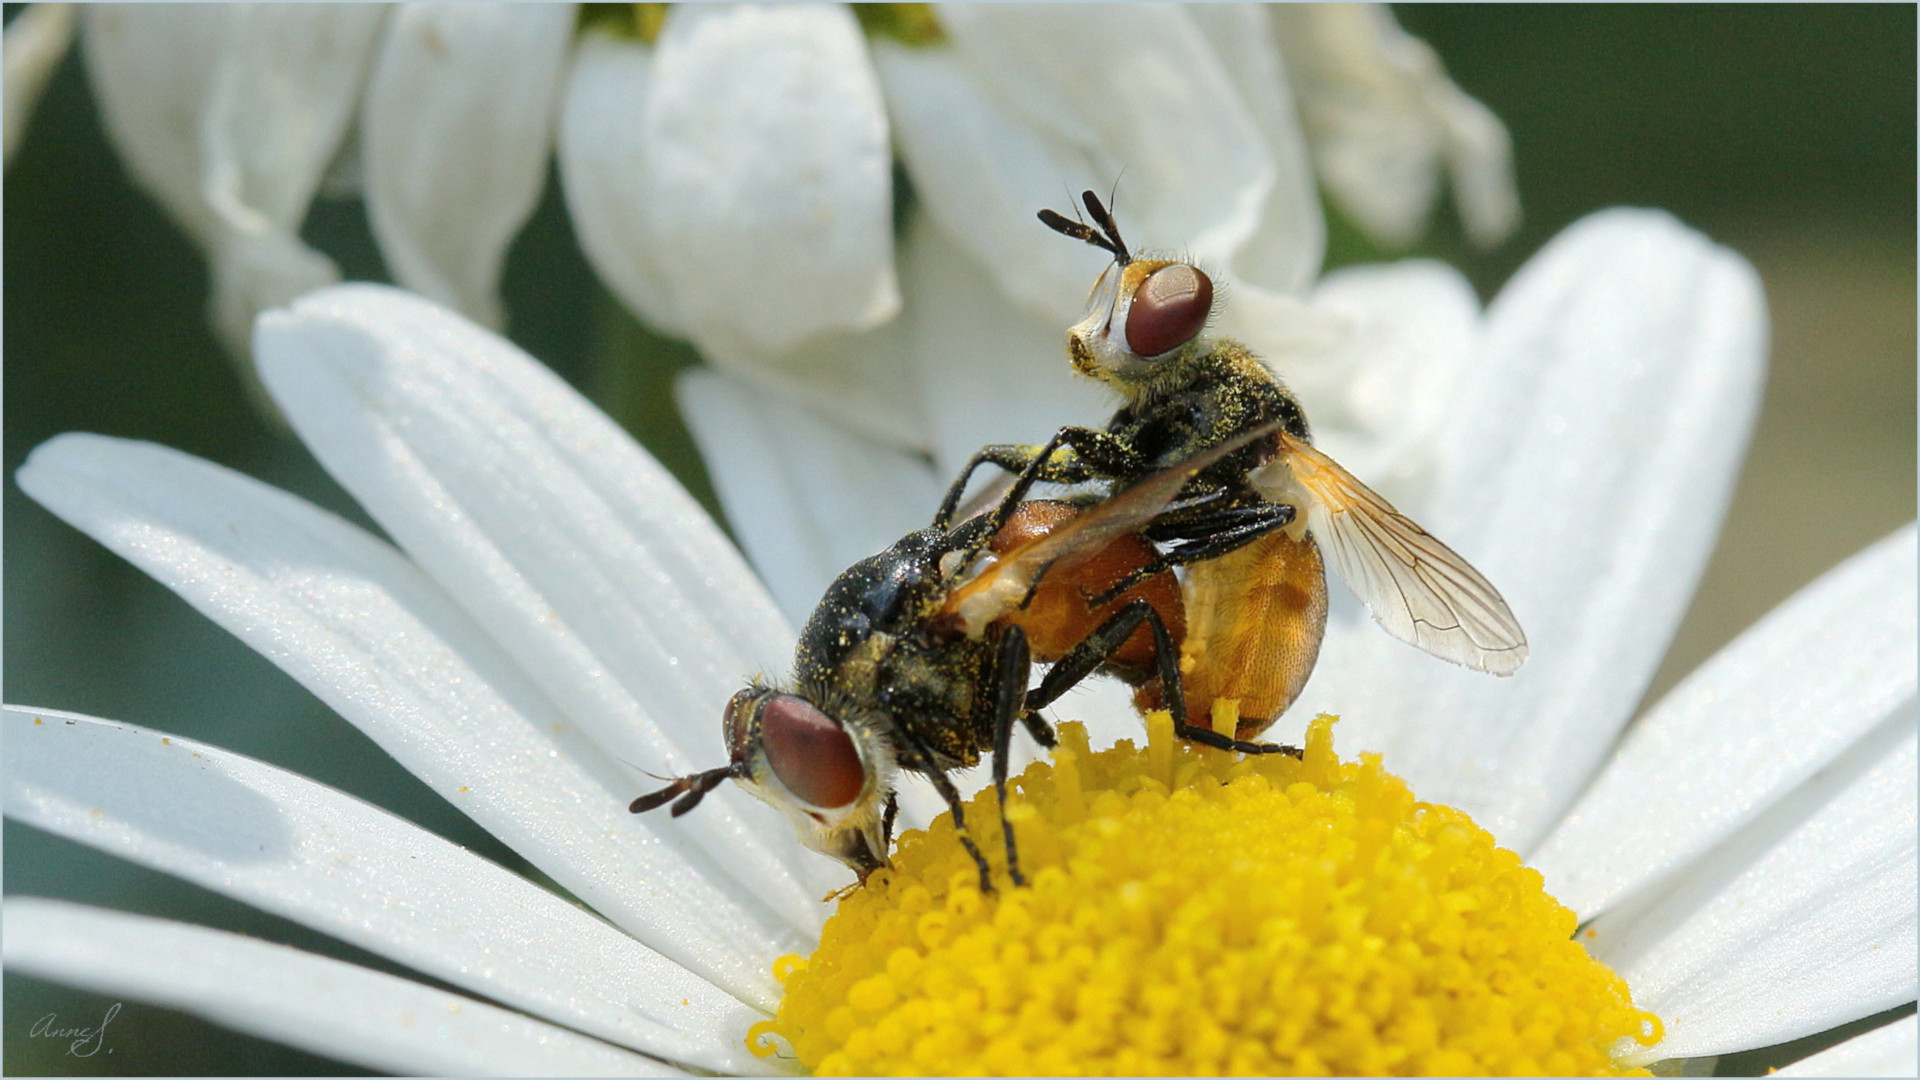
309, 853
36, 41
861, 381
1592, 454
282, 92
1133, 88
982, 174
454, 135
1380, 395
1284, 254
150, 66
353, 621
1778, 704
806, 498
315, 1003
602, 173
1800, 922
1381, 115
229, 115
990, 373
768, 176
557, 532
1889, 1050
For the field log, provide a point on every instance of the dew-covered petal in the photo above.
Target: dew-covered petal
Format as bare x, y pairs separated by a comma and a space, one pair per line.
982, 174
806, 498
1285, 252
1133, 88
768, 177
601, 150
990, 372
1382, 118
454, 133
555, 531
314, 1003
1595, 440
356, 623
309, 853
1777, 705
1798, 923
1889, 1050
36, 41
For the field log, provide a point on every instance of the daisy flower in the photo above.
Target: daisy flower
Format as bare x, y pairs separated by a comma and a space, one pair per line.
729, 169
553, 612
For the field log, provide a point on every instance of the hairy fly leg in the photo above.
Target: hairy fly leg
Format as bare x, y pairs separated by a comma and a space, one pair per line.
1074, 455
1197, 538
1084, 658
1011, 671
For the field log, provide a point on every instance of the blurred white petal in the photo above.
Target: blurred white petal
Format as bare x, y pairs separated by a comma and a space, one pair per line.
603, 174
1889, 1050
1382, 117
982, 174
229, 115
555, 531
768, 177
150, 66
1798, 923
806, 498
36, 42
1768, 711
1610, 406
1381, 396
285, 82
990, 372
315, 1003
353, 621
306, 852
1284, 254
1135, 89
454, 136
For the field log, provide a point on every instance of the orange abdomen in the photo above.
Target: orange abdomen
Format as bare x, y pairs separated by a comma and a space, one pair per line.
1059, 617
1255, 618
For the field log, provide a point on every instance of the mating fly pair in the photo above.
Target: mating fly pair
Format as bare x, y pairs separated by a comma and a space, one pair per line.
919, 657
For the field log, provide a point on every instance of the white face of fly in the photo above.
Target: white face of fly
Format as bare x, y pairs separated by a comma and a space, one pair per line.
829, 780
1138, 316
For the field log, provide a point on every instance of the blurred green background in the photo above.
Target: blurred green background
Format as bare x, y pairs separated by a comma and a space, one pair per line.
1786, 132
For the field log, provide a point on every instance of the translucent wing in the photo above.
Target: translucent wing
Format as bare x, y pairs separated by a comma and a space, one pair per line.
998, 586
1418, 589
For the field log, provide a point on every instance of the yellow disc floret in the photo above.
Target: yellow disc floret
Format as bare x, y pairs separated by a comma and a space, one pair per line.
1196, 912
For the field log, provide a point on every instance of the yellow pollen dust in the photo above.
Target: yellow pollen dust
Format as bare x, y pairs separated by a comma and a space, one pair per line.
1196, 912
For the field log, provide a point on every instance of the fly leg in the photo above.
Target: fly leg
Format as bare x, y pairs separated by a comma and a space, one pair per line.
1074, 455
1082, 660
947, 791
1009, 696
1199, 538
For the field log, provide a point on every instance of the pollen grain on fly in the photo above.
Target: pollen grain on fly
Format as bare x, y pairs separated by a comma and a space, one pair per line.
1194, 911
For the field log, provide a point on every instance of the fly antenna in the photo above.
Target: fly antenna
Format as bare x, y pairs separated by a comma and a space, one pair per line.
1106, 238
687, 790
1104, 219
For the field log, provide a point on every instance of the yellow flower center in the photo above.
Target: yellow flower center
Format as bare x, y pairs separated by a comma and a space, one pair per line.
1196, 912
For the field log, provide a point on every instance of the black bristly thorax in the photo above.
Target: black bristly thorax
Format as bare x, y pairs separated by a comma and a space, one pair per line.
1221, 393
870, 641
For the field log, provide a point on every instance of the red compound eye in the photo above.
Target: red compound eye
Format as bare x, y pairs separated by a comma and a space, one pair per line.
810, 753
1169, 308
